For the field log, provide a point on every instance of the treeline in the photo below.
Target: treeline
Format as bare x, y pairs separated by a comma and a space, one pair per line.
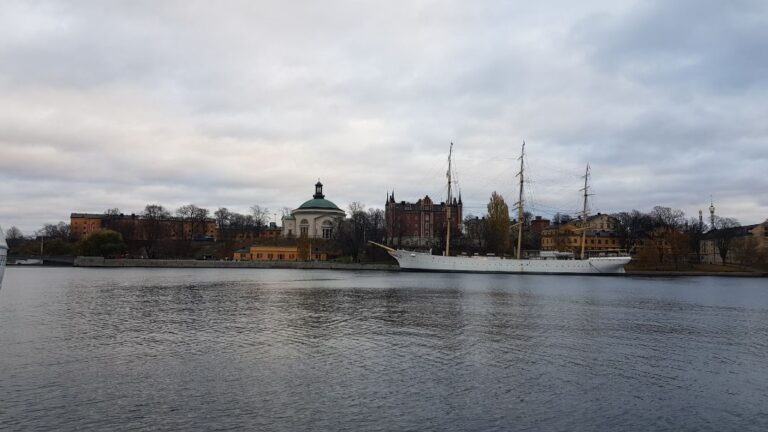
351, 235
153, 233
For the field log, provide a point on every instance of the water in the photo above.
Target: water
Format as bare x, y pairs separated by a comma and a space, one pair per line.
287, 350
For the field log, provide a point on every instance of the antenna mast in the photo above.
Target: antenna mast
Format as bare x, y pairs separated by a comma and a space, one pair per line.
520, 205
448, 207
584, 214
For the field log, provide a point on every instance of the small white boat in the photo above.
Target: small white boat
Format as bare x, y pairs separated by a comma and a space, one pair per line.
3, 254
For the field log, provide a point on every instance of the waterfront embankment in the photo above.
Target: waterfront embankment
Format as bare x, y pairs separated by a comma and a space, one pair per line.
188, 263
330, 265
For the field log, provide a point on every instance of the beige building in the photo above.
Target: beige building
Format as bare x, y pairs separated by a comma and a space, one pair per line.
746, 245
567, 237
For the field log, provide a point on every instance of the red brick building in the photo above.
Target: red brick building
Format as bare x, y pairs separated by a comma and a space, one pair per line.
421, 223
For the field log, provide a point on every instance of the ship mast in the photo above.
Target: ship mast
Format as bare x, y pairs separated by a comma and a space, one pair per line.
520, 206
448, 207
584, 215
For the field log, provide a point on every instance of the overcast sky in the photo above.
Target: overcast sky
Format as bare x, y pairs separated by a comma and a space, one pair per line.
230, 104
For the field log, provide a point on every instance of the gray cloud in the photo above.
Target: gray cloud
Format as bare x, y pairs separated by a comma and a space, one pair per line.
249, 103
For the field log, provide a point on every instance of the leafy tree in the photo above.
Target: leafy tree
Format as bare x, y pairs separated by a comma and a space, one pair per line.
59, 247
497, 224
103, 243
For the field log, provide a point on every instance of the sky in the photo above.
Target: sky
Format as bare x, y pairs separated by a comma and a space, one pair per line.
230, 104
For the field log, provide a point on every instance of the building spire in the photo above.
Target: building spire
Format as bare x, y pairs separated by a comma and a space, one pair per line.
711, 213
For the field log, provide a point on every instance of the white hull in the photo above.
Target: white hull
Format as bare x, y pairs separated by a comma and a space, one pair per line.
426, 262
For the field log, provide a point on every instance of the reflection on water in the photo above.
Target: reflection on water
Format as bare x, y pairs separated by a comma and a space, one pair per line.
323, 350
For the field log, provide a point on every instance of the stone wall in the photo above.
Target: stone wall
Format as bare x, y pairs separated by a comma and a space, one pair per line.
101, 262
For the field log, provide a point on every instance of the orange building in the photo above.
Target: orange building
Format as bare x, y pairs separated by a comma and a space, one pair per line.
132, 227
276, 253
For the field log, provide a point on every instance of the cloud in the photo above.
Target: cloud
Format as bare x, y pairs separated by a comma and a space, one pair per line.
248, 103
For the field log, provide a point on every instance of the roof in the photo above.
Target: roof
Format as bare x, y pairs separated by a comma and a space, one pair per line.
319, 203
737, 231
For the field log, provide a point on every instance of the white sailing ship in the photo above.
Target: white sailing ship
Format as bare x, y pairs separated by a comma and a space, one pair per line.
609, 262
3, 255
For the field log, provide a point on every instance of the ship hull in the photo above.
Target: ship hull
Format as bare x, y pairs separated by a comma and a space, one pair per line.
415, 261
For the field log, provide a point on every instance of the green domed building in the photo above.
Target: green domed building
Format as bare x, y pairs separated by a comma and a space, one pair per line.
316, 218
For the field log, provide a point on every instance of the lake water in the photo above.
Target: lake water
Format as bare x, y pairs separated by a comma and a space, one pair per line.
288, 350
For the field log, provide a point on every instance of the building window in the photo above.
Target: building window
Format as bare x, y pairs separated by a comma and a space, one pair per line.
327, 230
304, 227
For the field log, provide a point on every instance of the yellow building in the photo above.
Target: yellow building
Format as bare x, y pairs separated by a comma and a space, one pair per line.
276, 253
568, 237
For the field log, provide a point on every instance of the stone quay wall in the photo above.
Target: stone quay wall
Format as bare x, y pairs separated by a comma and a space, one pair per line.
82, 261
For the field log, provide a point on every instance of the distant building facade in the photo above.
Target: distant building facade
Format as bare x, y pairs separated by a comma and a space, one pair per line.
278, 253
420, 224
568, 237
134, 227
743, 244
316, 218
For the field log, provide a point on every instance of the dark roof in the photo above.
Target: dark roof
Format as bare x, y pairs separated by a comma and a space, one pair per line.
738, 231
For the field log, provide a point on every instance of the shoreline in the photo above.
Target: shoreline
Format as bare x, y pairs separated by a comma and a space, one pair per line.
98, 262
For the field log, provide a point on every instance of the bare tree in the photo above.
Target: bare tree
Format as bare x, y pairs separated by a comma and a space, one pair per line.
260, 217
376, 228
631, 227
56, 231
112, 212
668, 223
724, 233
223, 217
154, 226
13, 233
